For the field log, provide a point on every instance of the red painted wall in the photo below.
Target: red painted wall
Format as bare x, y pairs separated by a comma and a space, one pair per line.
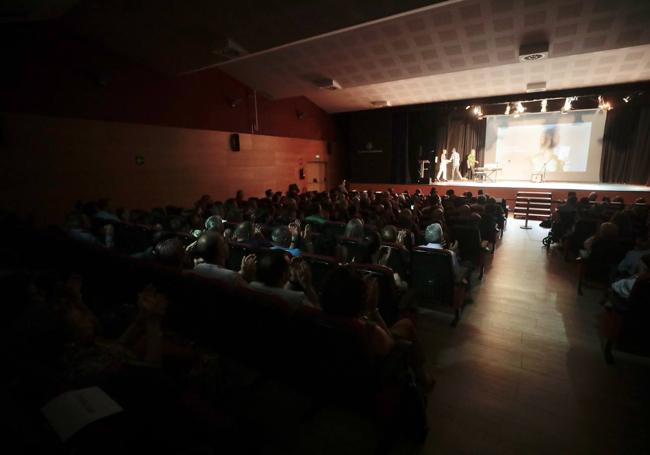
47, 71
74, 116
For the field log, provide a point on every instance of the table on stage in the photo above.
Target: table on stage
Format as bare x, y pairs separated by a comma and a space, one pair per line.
487, 173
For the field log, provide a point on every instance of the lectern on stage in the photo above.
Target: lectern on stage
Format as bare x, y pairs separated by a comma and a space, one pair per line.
424, 170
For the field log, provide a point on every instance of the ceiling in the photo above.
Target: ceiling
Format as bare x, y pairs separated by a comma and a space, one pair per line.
466, 49
175, 37
402, 51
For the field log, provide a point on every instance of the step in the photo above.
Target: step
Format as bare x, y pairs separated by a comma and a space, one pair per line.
531, 216
532, 210
541, 193
525, 198
533, 202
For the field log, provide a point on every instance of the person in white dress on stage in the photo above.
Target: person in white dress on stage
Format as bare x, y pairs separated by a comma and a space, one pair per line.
455, 165
442, 170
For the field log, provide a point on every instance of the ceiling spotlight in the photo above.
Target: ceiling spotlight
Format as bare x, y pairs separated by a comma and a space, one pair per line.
507, 109
627, 98
603, 105
467, 107
544, 103
567, 104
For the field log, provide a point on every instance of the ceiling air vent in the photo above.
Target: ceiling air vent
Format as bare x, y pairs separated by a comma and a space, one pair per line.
533, 87
533, 52
380, 103
326, 83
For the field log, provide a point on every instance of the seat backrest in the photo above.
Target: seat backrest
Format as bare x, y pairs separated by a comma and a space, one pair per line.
352, 250
320, 267
602, 260
469, 240
398, 260
237, 253
388, 305
432, 274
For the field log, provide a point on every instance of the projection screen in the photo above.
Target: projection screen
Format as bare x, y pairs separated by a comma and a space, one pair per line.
567, 146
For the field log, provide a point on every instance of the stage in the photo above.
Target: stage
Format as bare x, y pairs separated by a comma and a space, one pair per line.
508, 189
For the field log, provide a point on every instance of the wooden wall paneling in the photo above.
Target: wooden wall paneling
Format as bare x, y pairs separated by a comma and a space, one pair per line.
50, 162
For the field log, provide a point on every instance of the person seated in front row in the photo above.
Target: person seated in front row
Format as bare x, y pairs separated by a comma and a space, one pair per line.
211, 254
347, 295
272, 273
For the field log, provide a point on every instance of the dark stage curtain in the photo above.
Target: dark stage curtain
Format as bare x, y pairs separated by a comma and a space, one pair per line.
401, 162
626, 146
466, 133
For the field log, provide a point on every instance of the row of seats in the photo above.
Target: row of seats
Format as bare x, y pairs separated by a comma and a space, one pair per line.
320, 355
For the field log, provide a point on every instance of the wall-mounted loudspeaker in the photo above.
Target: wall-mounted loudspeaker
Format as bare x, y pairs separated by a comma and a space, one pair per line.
234, 142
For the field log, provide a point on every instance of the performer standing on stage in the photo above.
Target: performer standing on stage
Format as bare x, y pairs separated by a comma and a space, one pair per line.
442, 170
471, 164
455, 165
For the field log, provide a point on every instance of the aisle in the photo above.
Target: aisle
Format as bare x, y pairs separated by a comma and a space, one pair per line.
523, 372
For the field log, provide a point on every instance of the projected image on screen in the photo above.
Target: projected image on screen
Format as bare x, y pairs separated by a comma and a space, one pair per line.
554, 147
560, 147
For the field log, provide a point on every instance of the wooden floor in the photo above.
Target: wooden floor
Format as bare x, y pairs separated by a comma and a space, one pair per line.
523, 372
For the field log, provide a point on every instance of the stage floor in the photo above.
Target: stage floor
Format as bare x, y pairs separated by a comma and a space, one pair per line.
569, 186
508, 189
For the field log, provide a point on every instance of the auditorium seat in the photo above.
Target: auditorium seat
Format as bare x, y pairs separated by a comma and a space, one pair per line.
432, 276
320, 267
388, 304
352, 250
398, 260
598, 268
237, 252
582, 230
470, 247
625, 327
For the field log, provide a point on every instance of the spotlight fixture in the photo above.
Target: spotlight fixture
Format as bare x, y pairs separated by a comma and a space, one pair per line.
467, 107
544, 104
567, 104
478, 112
627, 98
603, 105
507, 109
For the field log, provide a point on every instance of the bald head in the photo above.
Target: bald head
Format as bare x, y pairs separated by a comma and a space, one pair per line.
212, 248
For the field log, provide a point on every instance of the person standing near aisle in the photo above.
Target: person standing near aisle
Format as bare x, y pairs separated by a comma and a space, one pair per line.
471, 164
442, 170
455, 165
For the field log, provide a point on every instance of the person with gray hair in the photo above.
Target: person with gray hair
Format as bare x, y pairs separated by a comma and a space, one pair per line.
433, 235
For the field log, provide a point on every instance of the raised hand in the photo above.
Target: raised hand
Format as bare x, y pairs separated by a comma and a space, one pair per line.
248, 266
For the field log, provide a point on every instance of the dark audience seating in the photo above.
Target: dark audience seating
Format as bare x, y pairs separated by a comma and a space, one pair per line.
320, 355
